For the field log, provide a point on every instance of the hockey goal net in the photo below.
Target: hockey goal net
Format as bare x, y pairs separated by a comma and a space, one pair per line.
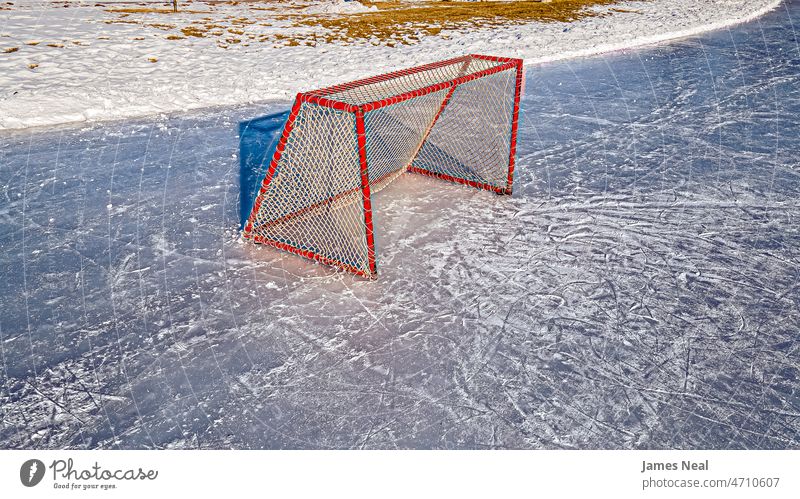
455, 120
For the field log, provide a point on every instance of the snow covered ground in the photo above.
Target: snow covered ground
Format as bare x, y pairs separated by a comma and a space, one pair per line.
638, 290
76, 61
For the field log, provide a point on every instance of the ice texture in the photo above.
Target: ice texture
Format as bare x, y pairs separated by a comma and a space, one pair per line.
638, 290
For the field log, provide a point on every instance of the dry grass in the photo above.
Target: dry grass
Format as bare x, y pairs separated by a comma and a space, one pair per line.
403, 22
241, 21
285, 40
195, 31
146, 10
395, 21
120, 21
139, 10
10, 50
626, 11
32, 66
164, 27
203, 30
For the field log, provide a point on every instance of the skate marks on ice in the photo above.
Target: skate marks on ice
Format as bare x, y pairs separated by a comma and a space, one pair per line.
638, 290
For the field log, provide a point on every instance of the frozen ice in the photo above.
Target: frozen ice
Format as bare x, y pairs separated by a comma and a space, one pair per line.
638, 290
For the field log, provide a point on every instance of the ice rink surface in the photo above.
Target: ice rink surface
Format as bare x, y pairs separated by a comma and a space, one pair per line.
640, 289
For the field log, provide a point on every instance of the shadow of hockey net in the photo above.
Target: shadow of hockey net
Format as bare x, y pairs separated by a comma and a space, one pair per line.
455, 120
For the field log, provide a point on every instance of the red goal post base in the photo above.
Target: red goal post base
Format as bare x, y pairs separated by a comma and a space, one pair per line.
266, 220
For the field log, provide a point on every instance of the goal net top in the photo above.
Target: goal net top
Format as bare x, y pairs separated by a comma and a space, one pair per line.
395, 87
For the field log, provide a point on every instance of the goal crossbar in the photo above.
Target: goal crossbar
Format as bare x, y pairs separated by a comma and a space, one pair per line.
455, 120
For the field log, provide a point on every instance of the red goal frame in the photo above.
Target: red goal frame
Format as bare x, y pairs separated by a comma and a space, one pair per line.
322, 97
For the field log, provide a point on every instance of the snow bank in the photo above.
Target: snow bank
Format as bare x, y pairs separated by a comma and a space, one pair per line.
83, 63
339, 7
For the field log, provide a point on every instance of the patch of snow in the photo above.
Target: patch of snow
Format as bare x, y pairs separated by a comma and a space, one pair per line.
338, 7
92, 64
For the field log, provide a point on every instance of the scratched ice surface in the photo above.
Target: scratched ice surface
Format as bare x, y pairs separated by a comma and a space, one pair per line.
639, 290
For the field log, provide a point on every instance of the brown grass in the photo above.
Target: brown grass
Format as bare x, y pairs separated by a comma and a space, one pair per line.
241, 21
10, 50
396, 21
194, 31
165, 27
286, 40
403, 22
147, 10
626, 11
120, 21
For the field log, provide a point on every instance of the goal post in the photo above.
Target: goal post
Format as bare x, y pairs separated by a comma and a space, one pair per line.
455, 120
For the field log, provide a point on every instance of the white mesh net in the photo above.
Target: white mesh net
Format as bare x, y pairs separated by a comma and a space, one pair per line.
471, 138
315, 203
395, 134
314, 200
413, 79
